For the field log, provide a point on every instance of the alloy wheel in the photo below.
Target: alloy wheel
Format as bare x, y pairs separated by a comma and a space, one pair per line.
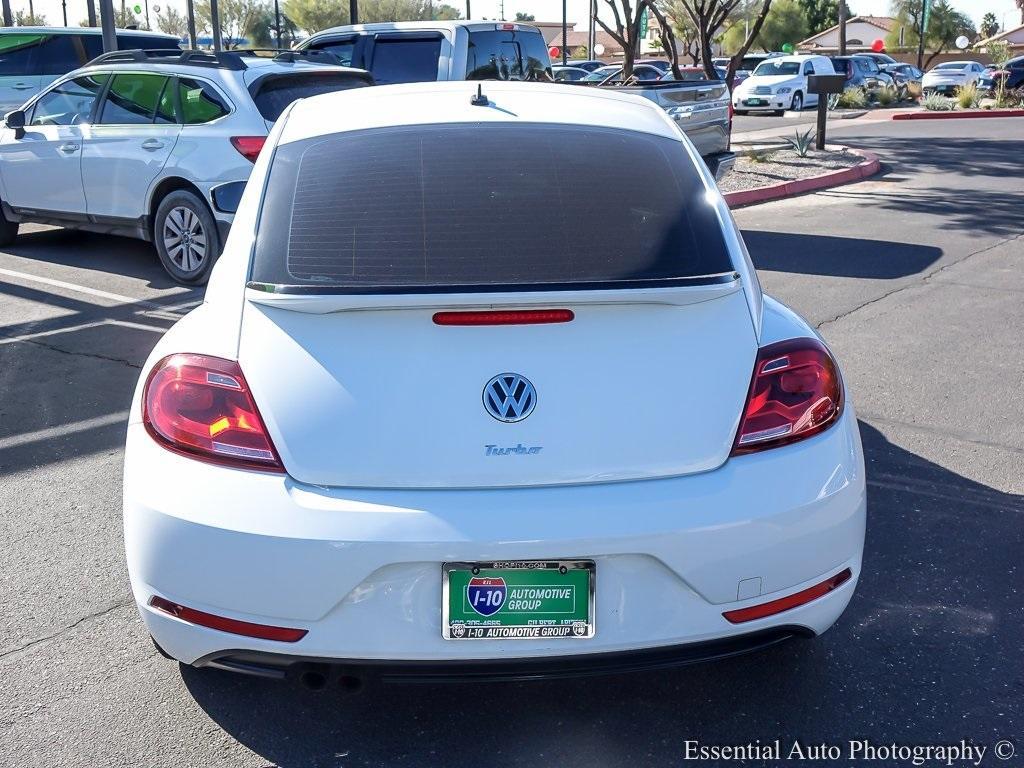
185, 239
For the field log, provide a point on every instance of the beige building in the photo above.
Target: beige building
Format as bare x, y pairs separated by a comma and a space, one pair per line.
861, 32
1014, 37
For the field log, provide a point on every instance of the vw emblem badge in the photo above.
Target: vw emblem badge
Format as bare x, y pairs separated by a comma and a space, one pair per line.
510, 397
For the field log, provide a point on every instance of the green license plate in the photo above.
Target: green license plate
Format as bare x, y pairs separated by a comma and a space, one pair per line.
755, 102
521, 600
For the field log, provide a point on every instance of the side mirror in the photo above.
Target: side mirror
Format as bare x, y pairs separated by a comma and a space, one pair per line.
15, 119
226, 197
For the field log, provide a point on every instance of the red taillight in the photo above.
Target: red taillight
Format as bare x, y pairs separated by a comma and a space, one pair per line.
201, 406
506, 317
796, 392
786, 603
249, 146
234, 626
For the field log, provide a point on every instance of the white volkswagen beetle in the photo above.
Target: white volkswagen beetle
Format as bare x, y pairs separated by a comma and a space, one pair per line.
438, 416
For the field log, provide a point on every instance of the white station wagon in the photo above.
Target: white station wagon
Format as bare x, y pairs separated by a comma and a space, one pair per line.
440, 416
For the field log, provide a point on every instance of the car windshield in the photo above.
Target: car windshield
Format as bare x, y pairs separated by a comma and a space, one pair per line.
450, 207
952, 65
602, 72
772, 67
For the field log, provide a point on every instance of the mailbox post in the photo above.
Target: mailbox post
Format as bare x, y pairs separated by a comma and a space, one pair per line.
824, 85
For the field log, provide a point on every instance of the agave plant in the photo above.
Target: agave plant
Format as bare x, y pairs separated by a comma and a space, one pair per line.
937, 102
801, 142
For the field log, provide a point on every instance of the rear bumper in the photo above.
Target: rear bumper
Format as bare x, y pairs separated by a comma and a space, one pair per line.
285, 667
361, 569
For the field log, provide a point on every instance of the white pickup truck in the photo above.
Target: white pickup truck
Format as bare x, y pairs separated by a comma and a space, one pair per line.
422, 51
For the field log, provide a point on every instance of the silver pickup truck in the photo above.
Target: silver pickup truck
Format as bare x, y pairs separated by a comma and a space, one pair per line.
420, 51
701, 110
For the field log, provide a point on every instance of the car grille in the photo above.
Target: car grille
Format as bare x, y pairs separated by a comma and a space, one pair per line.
762, 90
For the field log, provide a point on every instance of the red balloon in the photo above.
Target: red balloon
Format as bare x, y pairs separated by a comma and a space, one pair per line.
554, 52
878, 46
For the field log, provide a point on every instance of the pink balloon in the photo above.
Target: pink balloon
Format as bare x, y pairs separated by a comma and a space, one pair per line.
554, 52
878, 46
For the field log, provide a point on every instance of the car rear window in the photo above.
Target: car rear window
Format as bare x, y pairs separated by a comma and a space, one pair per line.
500, 54
274, 93
484, 207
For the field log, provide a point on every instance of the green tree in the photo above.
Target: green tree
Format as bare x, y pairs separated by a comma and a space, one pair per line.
945, 25
172, 21
235, 17
30, 19
687, 40
709, 17
260, 29
989, 25
314, 15
520, 16
820, 15
785, 23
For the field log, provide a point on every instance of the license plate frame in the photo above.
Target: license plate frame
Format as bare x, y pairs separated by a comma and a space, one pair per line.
519, 574
755, 102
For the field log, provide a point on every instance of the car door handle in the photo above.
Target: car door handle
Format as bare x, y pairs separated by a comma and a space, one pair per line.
152, 144
21, 86
68, 148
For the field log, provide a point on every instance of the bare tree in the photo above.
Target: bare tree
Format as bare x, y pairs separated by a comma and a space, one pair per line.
708, 16
627, 32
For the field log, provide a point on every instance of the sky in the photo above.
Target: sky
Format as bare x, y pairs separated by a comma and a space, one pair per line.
546, 10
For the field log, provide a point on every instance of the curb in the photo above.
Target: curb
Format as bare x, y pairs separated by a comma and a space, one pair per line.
959, 115
863, 170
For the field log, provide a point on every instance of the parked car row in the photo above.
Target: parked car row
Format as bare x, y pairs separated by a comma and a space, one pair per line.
156, 143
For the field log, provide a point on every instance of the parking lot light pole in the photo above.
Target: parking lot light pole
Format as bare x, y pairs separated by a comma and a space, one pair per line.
193, 41
215, 24
107, 22
565, 33
8, 19
90, 9
353, 11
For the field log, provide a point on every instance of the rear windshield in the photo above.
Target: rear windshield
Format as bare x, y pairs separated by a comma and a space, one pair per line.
841, 66
275, 92
952, 66
484, 207
507, 55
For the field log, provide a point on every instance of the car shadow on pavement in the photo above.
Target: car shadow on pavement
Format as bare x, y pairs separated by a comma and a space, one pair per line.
928, 651
68, 368
94, 252
837, 256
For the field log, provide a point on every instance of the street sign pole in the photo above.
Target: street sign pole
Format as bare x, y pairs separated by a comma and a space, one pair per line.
8, 19
922, 32
107, 22
353, 11
90, 9
277, 23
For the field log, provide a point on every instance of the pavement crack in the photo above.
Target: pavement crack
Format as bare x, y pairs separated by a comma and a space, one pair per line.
924, 279
88, 617
51, 347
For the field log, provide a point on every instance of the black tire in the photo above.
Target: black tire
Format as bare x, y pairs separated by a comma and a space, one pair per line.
798, 102
8, 230
188, 262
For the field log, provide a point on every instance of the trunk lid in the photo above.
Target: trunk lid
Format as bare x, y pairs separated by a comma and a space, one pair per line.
640, 386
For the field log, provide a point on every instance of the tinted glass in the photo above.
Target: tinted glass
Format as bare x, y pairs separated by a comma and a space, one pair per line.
145, 42
69, 103
456, 206
200, 103
132, 99
405, 60
808, 68
863, 65
57, 55
276, 93
841, 66
750, 62
17, 52
165, 113
951, 66
342, 49
507, 55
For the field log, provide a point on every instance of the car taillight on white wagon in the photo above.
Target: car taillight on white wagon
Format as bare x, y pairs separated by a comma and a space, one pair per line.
796, 392
201, 406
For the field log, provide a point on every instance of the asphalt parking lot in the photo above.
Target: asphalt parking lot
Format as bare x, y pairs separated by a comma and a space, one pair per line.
916, 279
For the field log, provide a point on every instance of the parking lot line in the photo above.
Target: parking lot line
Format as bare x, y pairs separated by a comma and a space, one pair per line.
63, 430
120, 299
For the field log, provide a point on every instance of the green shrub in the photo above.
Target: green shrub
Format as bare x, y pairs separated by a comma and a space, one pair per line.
853, 98
762, 156
967, 96
936, 102
886, 96
801, 143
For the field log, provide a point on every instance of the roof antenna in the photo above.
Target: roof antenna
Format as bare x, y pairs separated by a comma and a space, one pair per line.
479, 100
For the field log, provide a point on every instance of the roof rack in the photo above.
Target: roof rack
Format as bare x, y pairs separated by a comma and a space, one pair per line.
195, 58
289, 55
